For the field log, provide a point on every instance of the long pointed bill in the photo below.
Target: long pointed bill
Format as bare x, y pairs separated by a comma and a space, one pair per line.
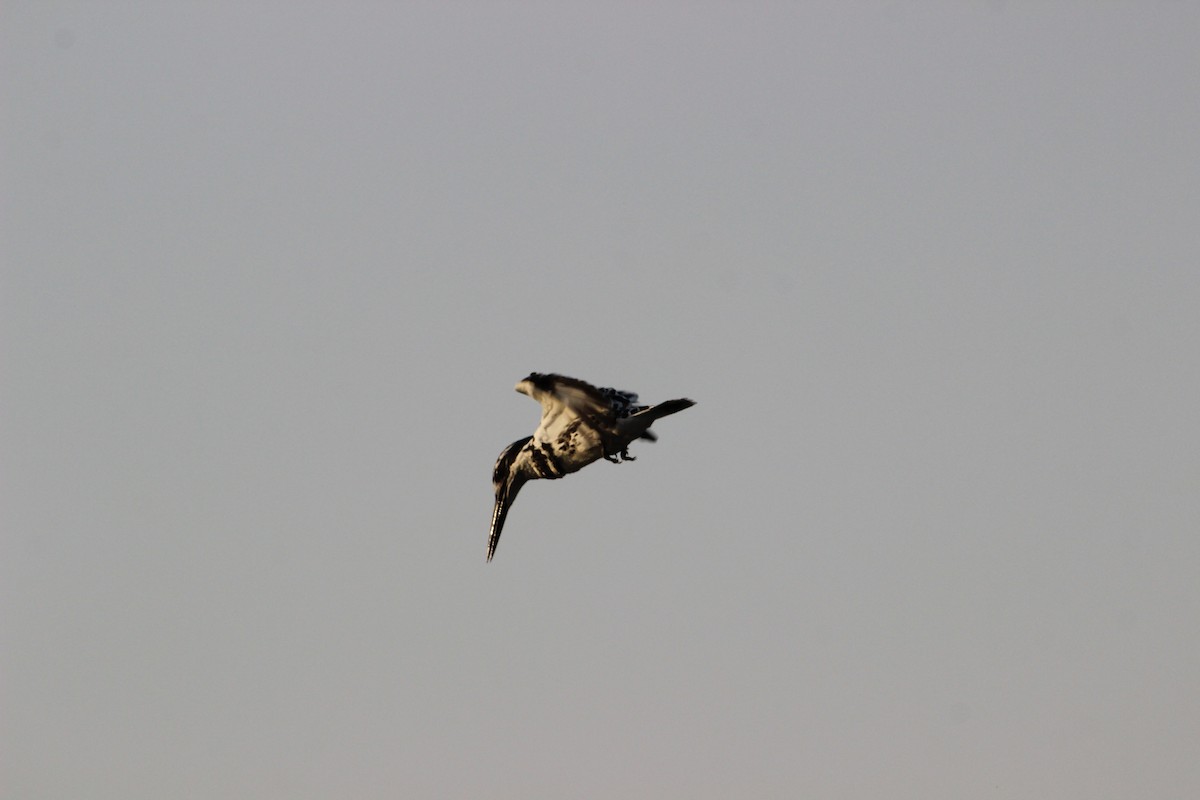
504, 499
498, 515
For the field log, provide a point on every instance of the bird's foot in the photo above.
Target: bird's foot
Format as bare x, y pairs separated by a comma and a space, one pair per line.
620, 457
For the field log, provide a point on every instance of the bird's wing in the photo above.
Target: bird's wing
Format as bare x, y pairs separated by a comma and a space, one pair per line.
579, 396
622, 403
566, 402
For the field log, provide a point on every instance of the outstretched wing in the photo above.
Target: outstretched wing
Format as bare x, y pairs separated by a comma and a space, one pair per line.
570, 403
579, 396
567, 403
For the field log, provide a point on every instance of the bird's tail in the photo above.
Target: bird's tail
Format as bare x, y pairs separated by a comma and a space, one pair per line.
638, 425
668, 407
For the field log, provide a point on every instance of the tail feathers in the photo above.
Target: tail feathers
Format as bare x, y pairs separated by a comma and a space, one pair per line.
638, 425
669, 407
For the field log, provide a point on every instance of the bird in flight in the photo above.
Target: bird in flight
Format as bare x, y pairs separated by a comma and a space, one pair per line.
580, 424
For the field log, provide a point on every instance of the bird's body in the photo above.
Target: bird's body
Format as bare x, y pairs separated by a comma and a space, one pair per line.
580, 424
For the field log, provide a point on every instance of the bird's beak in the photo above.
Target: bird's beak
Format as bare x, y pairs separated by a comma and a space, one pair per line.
504, 499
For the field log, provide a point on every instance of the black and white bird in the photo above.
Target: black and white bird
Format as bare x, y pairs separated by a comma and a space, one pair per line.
580, 424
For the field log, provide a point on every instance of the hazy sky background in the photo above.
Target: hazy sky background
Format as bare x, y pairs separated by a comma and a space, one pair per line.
271, 270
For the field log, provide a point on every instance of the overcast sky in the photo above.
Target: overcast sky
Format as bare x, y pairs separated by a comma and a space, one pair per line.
931, 272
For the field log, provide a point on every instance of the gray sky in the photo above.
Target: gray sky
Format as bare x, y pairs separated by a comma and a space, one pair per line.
931, 271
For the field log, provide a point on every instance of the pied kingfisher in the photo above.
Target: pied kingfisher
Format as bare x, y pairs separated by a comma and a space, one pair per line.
580, 423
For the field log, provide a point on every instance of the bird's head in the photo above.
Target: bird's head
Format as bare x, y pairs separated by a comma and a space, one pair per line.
507, 480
